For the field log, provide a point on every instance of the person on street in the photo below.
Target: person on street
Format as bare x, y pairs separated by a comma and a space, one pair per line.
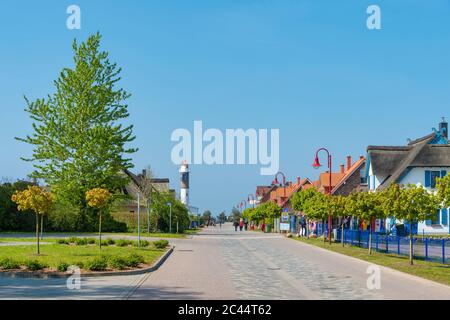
302, 222
236, 225
241, 224
245, 225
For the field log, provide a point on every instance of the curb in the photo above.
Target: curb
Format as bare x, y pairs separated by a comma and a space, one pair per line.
55, 274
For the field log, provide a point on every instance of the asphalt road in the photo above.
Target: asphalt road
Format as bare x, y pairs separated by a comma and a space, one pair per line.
220, 263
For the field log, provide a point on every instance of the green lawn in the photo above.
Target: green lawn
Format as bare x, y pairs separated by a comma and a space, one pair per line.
429, 270
54, 254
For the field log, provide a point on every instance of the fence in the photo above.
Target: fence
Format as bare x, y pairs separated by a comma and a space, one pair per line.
427, 249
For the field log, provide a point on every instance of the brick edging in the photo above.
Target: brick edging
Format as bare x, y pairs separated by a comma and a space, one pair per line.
56, 274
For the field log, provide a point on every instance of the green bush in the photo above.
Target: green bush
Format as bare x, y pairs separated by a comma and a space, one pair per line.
123, 243
81, 242
160, 244
72, 240
62, 266
97, 264
35, 265
9, 264
79, 264
110, 241
116, 262
134, 259
90, 240
144, 243
62, 241
105, 243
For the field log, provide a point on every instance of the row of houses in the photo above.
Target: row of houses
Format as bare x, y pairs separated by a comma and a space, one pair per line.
420, 162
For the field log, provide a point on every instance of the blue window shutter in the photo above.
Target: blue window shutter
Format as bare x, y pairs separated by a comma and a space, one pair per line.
428, 222
443, 173
444, 219
427, 178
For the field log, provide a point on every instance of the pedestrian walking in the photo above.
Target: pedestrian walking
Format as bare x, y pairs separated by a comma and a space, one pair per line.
236, 225
302, 222
241, 224
245, 225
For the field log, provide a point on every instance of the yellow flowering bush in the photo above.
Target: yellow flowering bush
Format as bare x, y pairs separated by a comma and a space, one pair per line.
98, 198
36, 199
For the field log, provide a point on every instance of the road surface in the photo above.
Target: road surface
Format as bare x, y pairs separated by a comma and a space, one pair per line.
220, 263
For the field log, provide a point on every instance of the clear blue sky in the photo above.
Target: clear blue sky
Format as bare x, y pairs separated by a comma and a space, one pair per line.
310, 68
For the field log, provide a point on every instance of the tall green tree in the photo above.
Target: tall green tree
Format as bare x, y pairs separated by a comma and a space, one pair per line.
78, 140
411, 203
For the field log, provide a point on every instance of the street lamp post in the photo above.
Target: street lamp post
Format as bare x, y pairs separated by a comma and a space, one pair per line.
170, 216
139, 219
317, 165
251, 197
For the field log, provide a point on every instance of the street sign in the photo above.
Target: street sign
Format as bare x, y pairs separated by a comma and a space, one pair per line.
284, 226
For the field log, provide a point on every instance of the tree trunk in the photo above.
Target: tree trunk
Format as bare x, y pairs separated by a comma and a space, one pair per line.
100, 230
410, 244
37, 233
342, 233
42, 226
323, 231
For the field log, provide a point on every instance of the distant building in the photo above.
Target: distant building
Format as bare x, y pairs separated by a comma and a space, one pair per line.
420, 162
136, 186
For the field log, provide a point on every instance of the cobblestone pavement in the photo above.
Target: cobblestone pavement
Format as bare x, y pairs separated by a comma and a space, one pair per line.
220, 263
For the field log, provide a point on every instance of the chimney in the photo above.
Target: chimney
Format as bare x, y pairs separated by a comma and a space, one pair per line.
342, 168
144, 173
349, 162
444, 125
361, 157
298, 181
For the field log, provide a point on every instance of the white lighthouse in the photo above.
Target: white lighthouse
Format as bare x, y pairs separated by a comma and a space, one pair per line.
184, 183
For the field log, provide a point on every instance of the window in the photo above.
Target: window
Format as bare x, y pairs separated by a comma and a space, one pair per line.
435, 219
363, 177
431, 176
444, 217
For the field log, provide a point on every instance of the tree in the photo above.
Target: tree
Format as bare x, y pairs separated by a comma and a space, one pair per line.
317, 207
248, 214
147, 189
413, 204
206, 217
443, 187
368, 206
166, 217
78, 141
99, 199
269, 211
299, 199
235, 215
337, 208
222, 217
36, 199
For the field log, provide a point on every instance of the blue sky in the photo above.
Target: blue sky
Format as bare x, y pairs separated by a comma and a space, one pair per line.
310, 68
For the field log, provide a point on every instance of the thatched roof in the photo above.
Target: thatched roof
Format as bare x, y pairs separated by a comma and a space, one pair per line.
392, 162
